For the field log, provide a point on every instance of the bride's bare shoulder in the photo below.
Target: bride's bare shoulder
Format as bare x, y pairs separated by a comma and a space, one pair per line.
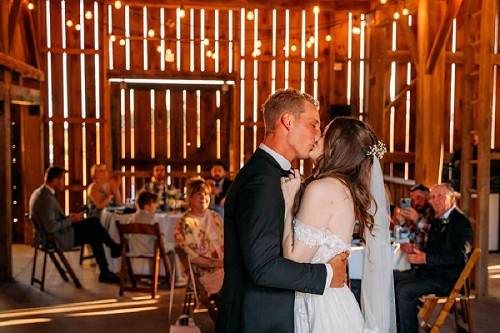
328, 187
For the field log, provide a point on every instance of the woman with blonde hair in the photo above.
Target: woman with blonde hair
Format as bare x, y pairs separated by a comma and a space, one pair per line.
102, 192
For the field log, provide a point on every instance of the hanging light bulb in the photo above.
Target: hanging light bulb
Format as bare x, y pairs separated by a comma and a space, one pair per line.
213, 56
209, 53
158, 49
316, 10
118, 4
250, 15
182, 12
396, 15
312, 39
169, 56
77, 27
151, 33
356, 30
69, 23
112, 38
405, 11
169, 51
31, 6
122, 42
206, 41
309, 44
328, 38
259, 43
383, 2
88, 15
293, 48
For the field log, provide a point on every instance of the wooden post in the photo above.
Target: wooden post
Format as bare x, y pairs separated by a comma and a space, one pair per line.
430, 100
489, 10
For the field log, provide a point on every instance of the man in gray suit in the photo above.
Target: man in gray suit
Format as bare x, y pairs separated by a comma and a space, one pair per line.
72, 230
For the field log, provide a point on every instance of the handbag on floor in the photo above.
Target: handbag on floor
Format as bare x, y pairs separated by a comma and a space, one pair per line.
183, 324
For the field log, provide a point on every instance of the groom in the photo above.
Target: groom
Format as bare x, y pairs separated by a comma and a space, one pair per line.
259, 284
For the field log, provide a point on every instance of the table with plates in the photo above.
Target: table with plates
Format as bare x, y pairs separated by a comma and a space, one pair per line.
166, 221
399, 260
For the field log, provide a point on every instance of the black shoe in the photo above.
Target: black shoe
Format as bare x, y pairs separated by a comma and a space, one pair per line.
109, 277
116, 251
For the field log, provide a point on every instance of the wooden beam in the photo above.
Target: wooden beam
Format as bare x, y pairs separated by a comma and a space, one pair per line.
411, 40
78, 51
158, 74
13, 21
21, 67
399, 157
75, 120
35, 38
442, 34
21, 95
401, 94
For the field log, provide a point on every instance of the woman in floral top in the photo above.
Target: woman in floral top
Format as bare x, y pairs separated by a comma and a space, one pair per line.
200, 232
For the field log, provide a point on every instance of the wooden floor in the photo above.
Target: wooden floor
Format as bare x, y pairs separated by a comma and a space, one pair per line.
98, 308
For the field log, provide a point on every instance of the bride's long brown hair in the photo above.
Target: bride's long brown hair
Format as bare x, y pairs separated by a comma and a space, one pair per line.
347, 141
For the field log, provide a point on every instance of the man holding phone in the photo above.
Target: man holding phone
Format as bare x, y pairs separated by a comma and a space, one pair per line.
418, 212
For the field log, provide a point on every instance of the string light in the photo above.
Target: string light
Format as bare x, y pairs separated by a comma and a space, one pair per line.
356, 30
122, 42
396, 15
209, 53
182, 12
311, 40
383, 2
206, 41
405, 11
328, 38
316, 10
88, 15
69, 23
158, 49
31, 6
169, 56
250, 15
259, 43
293, 48
309, 44
118, 4
77, 27
151, 33
112, 38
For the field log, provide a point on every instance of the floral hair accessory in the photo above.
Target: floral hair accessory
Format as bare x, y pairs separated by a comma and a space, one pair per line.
377, 150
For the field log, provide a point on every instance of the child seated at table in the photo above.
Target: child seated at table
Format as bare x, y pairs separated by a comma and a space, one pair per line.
147, 203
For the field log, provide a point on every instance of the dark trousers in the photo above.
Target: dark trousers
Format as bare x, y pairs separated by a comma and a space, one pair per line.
409, 286
90, 231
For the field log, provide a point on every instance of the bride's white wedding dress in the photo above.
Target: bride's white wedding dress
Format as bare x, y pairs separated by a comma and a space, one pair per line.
337, 309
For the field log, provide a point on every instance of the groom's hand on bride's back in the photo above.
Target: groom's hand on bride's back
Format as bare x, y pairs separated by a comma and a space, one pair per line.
339, 265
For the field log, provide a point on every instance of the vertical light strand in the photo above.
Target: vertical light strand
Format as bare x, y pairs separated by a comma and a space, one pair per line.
216, 32
184, 124
198, 118
110, 33
217, 123
122, 123
127, 37
65, 104
287, 47
255, 77
169, 170
82, 100
167, 106
191, 40
153, 143
132, 123
162, 39
303, 52
273, 64
202, 40
178, 38
145, 37
132, 182
392, 92
316, 54
97, 84
231, 46
50, 107
494, 99
362, 67
349, 56
452, 85
408, 113
242, 86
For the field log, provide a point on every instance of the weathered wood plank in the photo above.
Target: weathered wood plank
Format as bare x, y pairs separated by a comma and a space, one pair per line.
21, 67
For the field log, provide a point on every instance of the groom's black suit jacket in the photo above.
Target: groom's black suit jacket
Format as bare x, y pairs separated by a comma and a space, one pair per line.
258, 291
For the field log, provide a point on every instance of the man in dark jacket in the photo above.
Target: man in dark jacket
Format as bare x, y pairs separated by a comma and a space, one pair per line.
448, 244
259, 283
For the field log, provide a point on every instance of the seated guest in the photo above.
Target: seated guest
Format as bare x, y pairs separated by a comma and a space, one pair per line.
448, 245
72, 230
145, 244
102, 192
418, 215
159, 185
222, 183
200, 232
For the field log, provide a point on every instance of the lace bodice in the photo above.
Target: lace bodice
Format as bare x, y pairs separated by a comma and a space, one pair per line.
329, 243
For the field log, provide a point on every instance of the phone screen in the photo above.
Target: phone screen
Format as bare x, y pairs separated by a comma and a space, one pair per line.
405, 203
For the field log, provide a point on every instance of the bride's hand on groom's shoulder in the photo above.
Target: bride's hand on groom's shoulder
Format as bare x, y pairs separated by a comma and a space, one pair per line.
339, 265
290, 186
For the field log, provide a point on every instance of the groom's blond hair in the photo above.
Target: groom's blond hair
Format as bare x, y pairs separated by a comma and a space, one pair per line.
285, 100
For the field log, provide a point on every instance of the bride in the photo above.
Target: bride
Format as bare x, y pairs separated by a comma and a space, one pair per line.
345, 186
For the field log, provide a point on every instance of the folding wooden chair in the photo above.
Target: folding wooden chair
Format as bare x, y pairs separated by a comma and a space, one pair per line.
83, 256
460, 292
159, 252
195, 292
49, 248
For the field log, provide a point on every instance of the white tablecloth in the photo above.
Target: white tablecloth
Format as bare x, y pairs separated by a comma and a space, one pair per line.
167, 223
399, 260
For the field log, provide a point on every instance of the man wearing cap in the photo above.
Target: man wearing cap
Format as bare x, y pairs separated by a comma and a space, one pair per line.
72, 230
